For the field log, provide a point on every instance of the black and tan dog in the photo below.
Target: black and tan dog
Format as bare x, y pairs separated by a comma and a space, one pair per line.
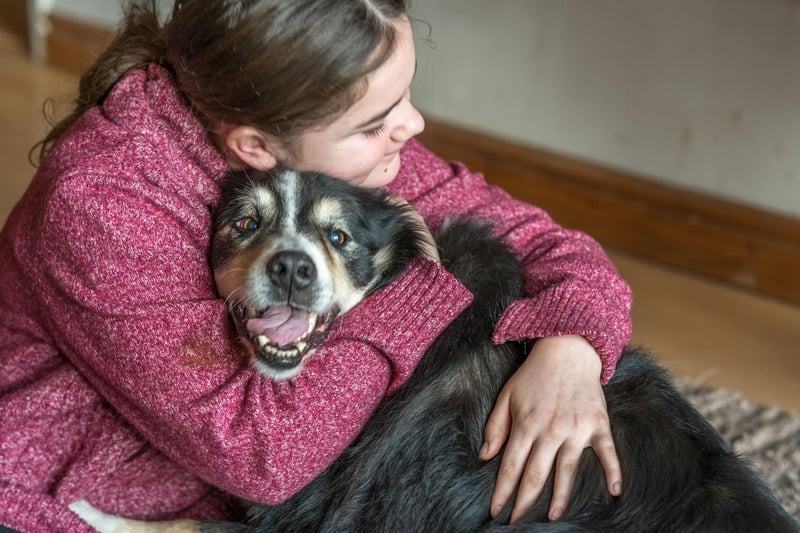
292, 251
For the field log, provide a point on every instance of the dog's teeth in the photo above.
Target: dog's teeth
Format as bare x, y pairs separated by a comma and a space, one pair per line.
270, 349
312, 322
262, 340
301, 345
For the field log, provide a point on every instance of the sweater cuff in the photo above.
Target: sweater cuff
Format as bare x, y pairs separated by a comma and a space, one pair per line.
37, 513
556, 313
402, 319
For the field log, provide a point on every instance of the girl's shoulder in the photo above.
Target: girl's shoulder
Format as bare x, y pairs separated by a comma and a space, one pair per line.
421, 170
143, 129
416, 156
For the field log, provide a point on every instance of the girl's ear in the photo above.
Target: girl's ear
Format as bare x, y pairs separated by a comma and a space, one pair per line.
247, 147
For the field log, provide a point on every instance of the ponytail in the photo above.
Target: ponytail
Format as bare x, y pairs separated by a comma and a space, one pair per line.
138, 43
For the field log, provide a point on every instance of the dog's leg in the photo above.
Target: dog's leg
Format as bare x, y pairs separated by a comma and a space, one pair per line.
106, 523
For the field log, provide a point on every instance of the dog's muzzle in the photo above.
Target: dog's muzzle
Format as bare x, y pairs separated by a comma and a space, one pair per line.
284, 333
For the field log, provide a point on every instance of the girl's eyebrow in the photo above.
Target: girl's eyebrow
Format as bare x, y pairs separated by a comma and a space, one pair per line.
380, 116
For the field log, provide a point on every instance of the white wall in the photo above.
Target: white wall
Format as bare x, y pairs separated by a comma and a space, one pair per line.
703, 94
100, 12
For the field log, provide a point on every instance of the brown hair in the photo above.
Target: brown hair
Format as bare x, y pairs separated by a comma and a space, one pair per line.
280, 66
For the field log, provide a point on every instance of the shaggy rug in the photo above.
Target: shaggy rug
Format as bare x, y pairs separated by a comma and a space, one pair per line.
766, 436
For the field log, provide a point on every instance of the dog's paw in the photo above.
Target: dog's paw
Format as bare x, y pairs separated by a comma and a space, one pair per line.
106, 523
100, 521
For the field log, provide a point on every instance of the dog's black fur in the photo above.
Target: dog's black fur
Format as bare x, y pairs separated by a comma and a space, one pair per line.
415, 466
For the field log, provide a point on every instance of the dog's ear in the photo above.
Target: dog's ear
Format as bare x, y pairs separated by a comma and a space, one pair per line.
247, 147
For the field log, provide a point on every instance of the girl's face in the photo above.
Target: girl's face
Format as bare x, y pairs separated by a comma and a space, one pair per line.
362, 146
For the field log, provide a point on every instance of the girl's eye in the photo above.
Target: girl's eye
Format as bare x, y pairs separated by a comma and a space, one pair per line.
338, 238
247, 224
376, 131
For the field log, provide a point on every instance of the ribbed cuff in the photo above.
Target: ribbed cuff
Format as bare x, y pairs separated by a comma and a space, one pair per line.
555, 313
38, 513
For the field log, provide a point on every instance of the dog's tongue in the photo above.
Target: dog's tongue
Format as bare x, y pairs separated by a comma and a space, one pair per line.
283, 325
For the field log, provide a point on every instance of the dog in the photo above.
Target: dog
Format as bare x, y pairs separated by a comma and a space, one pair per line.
292, 251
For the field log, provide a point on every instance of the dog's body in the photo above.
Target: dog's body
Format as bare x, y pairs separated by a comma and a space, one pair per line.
415, 466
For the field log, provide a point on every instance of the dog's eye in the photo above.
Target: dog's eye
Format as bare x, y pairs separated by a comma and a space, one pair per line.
338, 237
247, 224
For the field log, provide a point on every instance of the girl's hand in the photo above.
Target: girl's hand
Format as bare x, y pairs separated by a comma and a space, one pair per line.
549, 411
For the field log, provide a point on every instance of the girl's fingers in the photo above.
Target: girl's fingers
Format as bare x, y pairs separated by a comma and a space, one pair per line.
607, 454
566, 472
497, 432
536, 473
512, 466
497, 429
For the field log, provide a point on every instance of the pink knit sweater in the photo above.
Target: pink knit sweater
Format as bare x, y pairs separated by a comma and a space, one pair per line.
119, 379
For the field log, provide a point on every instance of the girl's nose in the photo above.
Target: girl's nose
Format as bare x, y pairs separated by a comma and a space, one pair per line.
411, 124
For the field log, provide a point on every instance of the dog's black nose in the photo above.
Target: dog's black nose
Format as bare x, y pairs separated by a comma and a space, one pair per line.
291, 269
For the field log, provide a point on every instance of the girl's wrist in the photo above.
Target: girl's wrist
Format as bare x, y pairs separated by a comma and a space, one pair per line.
573, 348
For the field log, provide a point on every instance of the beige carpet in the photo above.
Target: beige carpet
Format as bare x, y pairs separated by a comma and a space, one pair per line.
766, 436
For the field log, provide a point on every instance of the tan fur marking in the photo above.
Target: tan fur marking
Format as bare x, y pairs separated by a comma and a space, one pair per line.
232, 276
383, 260
326, 212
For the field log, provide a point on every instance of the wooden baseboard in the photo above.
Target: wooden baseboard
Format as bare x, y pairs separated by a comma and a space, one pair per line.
747, 247
14, 18
73, 45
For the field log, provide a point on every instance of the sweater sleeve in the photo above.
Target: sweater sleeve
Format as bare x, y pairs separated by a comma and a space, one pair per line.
571, 287
128, 296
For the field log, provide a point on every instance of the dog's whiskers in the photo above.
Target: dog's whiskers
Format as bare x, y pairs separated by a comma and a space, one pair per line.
232, 296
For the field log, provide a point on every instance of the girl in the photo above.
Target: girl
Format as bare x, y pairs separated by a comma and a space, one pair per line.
120, 383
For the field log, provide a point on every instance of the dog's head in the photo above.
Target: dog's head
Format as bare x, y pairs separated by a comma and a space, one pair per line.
292, 251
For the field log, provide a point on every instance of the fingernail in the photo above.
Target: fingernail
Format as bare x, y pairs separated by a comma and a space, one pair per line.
484, 449
495, 511
555, 514
616, 488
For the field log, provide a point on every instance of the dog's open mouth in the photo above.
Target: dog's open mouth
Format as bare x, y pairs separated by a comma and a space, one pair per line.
282, 336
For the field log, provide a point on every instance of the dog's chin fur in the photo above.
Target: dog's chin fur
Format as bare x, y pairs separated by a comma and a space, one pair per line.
415, 465
291, 363
280, 374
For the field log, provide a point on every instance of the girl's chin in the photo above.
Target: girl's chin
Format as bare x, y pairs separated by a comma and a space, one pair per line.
386, 173
383, 174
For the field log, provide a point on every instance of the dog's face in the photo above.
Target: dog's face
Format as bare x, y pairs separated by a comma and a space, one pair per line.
292, 251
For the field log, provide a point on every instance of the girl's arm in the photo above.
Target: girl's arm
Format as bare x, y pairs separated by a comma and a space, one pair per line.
572, 287
129, 298
553, 407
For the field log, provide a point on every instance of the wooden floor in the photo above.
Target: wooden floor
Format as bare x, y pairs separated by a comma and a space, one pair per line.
697, 327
